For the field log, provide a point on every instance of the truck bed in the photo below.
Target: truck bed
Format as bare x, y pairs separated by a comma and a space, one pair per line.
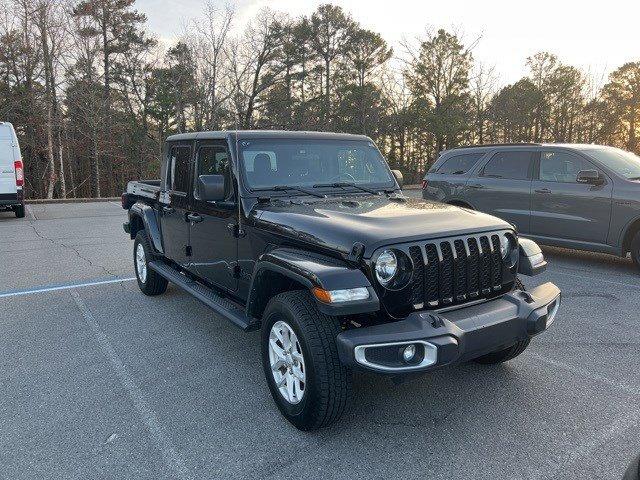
144, 188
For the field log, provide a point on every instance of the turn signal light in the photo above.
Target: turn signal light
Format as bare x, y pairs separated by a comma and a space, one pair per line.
340, 296
19, 169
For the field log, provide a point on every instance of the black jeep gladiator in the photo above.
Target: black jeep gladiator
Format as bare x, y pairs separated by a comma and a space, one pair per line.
308, 237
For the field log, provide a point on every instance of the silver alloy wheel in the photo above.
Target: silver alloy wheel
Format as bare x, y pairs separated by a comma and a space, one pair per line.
141, 263
287, 362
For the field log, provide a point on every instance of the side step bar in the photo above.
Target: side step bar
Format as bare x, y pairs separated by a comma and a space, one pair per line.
219, 304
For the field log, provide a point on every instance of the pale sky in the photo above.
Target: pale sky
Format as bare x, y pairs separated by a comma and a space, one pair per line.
594, 36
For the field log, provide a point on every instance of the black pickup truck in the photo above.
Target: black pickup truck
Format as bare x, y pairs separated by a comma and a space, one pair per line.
308, 237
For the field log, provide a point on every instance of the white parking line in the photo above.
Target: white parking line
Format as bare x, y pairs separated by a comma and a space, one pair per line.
68, 286
148, 416
594, 441
589, 277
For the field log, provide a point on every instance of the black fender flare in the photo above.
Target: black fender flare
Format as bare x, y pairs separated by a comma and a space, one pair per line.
149, 219
311, 270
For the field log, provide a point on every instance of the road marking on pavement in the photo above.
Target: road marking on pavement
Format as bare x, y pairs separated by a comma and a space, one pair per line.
596, 440
589, 277
149, 417
629, 389
66, 286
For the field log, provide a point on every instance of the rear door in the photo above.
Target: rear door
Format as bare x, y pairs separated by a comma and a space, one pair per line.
214, 244
501, 186
7, 157
175, 203
565, 209
447, 180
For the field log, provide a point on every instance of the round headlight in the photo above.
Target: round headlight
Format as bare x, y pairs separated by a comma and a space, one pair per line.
386, 267
506, 245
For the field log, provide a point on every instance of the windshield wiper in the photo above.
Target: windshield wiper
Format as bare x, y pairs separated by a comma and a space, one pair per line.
347, 184
284, 188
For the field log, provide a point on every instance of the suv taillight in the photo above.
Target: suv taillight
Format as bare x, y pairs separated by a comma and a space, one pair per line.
19, 173
424, 184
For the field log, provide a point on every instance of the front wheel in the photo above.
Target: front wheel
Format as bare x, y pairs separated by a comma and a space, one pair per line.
309, 384
150, 282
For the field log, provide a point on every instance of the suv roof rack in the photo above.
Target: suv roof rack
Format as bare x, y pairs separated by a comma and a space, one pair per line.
515, 144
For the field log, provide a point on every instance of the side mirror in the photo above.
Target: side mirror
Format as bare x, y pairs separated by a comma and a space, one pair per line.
211, 188
399, 177
589, 177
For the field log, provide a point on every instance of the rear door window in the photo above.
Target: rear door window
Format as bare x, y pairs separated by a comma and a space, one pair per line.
514, 165
459, 164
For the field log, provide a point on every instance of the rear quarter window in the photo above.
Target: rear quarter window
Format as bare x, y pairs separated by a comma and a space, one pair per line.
459, 164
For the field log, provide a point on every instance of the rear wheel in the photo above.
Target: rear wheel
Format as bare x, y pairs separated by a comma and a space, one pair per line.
309, 384
635, 250
149, 281
19, 211
508, 353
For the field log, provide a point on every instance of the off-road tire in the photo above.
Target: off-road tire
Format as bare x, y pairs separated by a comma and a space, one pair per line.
508, 353
635, 250
155, 284
19, 211
328, 382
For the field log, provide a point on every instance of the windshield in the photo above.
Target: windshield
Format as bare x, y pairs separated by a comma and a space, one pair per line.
313, 163
625, 164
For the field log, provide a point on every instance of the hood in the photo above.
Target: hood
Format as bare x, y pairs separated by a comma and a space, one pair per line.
336, 223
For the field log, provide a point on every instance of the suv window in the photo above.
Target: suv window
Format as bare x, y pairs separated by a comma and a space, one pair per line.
178, 169
459, 164
511, 165
562, 167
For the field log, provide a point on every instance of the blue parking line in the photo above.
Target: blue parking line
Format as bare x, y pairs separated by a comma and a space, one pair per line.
64, 286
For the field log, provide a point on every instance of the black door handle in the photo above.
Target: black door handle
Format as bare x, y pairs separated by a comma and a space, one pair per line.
545, 191
167, 209
476, 186
194, 217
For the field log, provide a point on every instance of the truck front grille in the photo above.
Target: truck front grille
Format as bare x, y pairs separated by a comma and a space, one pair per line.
456, 271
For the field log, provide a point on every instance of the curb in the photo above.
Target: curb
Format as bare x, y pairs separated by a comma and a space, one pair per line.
36, 201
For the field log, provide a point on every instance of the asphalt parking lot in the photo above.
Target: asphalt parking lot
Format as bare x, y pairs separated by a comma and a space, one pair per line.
99, 381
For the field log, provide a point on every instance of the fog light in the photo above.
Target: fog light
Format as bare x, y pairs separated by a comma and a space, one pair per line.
408, 353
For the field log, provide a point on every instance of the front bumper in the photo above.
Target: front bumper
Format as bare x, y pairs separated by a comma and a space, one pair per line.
454, 336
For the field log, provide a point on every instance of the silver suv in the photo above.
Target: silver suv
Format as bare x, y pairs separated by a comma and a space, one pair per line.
569, 195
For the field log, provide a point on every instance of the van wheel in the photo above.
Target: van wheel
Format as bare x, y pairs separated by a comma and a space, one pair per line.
19, 211
150, 282
508, 353
309, 384
635, 250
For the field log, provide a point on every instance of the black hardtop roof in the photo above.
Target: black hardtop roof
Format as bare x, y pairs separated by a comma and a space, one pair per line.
253, 134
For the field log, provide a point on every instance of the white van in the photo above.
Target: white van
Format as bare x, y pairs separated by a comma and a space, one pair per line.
11, 171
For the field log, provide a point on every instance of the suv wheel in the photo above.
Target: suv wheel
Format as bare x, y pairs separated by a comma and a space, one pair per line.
508, 353
19, 211
149, 281
635, 249
309, 384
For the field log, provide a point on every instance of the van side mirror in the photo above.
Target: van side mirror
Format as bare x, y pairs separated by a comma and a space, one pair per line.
399, 177
211, 188
589, 177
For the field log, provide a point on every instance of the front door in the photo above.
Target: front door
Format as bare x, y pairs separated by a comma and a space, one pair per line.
502, 187
565, 209
214, 246
174, 203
